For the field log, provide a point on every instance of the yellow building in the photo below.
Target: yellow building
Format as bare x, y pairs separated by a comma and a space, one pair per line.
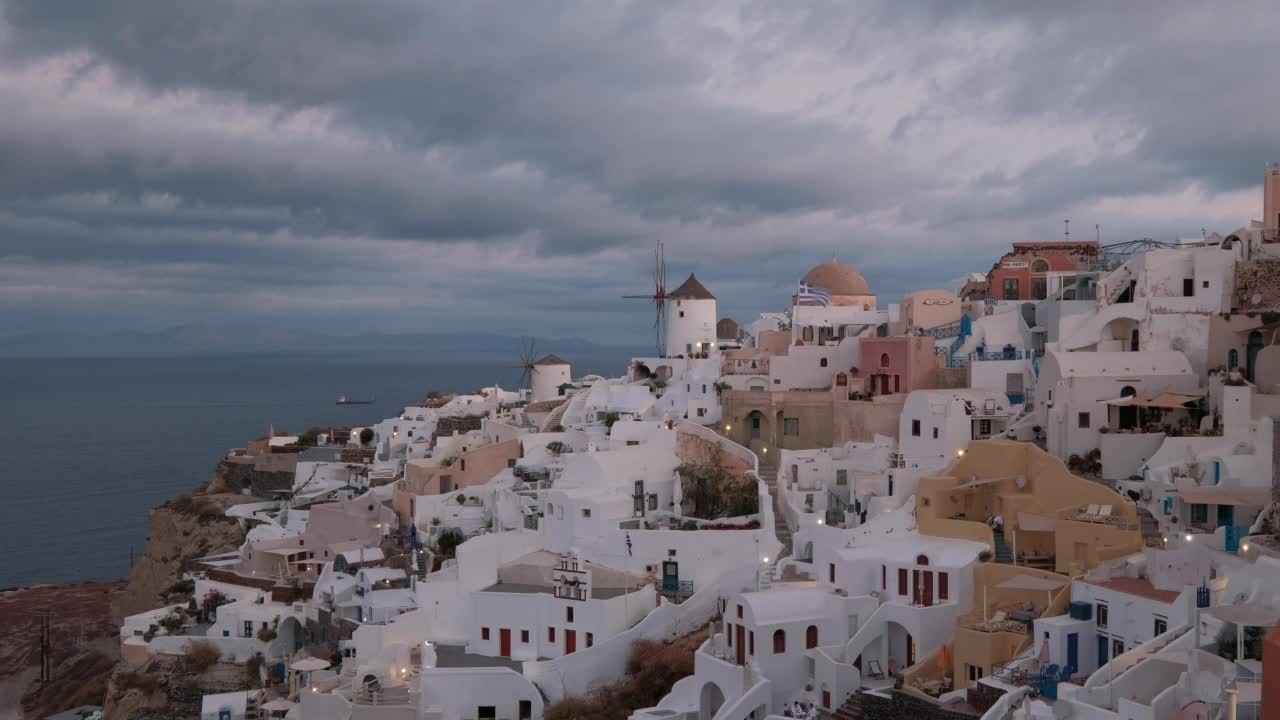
1053, 526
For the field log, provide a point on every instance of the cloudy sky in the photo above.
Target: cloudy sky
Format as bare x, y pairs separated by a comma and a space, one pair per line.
405, 165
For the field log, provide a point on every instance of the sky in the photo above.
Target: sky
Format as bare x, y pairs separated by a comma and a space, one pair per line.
421, 166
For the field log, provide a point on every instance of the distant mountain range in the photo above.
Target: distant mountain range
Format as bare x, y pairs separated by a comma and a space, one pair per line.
202, 339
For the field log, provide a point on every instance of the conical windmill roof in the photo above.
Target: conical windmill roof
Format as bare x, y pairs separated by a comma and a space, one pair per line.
551, 360
691, 290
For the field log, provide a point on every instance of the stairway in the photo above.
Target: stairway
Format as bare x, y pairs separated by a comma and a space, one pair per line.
851, 709
769, 474
1151, 535
1003, 555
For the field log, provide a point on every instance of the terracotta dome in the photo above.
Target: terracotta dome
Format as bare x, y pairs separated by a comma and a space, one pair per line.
838, 278
726, 329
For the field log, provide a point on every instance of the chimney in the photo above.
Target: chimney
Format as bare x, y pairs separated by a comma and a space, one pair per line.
1271, 203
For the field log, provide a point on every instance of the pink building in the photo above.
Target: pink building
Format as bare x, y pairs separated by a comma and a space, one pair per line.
890, 365
474, 467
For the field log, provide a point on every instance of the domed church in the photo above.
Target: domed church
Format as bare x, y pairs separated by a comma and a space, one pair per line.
846, 284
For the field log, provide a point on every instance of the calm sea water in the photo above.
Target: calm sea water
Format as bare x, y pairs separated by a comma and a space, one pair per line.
90, 445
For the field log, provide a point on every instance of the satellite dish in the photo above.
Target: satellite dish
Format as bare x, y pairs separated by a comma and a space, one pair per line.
1020, 481
1257, 298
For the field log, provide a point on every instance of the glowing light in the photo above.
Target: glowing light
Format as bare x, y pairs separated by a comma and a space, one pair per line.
764, 450
821, 521
764, 559
1188, 537
1244, 547
960, 452
727, 428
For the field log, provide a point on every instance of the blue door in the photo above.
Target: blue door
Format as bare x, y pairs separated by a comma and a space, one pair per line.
1073, 652
1102, 650
1226, 515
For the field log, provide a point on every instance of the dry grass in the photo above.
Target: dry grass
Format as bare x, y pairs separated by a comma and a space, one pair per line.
145, 682
202, 655
651, 671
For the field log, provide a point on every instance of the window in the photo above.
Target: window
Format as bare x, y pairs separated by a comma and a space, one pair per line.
1188, 287
681, 313
730, 634
1199, 513
779, 642
831, 572
790, 426
1083, 420
915, 428
984, 428
511, 462
884, 360
842, 478
1102, 614
632, 443
1161, 626
811, 637
653, 501
935, 433
704, 388
975, 672
1205, 284
822, 362
1011, 288
487, 712
568, 614
884, 578
702, 412
590, 638
484, 633
1040, 265
248, 628
751, 642
944, 580
526, 709
902, 581
551, 634
1117, 647
586, 512
739, 612
1039, 288
806, 334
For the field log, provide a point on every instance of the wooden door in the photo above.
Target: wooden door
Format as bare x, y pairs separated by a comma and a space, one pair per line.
926, 588
570, 641
504, 642
740, 641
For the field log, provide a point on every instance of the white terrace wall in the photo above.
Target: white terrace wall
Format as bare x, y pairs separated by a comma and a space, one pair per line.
606, 662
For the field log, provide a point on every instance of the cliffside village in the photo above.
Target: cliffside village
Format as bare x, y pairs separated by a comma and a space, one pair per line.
1052, 493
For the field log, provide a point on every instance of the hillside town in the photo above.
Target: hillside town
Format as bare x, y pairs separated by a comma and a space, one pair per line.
1051, 492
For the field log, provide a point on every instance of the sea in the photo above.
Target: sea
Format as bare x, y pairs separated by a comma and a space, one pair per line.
91, 444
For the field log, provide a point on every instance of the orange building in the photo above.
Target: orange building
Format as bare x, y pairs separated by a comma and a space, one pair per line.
1022, 274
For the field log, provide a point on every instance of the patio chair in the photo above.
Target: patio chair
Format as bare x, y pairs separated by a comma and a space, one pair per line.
874, 670
1089, 513
1104, 513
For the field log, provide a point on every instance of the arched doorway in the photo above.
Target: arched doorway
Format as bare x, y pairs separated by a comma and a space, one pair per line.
755, 425
1128, 413
290, 636
709, 701
1251, 354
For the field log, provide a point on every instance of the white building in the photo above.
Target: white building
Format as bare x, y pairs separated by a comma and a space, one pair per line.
936, 424
547, 376
691, 319
1075, 388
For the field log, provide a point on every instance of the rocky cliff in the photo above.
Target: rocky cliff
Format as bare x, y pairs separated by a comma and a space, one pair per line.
180, 531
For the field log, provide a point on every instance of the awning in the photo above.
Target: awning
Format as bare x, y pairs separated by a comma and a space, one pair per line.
1166, 401
1033, 521
309, 664
1031, 582
1249, 614
1217, 497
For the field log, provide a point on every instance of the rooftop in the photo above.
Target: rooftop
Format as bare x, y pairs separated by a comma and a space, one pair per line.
597, 593
1140, 587
551, 360
691, 289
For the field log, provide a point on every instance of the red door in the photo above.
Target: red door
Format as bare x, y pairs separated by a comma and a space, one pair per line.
926, 588
570, 641
826, 698
504, 642
742, 652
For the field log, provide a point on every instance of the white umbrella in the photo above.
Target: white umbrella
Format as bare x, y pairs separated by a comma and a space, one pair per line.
278, 704
308, 664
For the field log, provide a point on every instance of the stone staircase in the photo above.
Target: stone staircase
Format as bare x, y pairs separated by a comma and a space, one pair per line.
1003, 554
1151, 535
769, 474
852, 709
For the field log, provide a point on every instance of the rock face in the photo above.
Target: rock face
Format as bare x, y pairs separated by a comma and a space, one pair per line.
186, 528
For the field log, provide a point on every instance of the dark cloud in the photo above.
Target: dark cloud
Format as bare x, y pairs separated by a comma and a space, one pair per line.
436, 165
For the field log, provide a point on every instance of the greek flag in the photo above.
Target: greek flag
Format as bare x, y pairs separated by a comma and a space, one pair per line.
813, 295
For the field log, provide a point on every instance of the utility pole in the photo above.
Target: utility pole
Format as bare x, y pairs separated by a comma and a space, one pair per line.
1066, 224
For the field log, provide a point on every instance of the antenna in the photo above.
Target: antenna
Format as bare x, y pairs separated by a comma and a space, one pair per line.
1097, 233
1066, 224
659, 296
